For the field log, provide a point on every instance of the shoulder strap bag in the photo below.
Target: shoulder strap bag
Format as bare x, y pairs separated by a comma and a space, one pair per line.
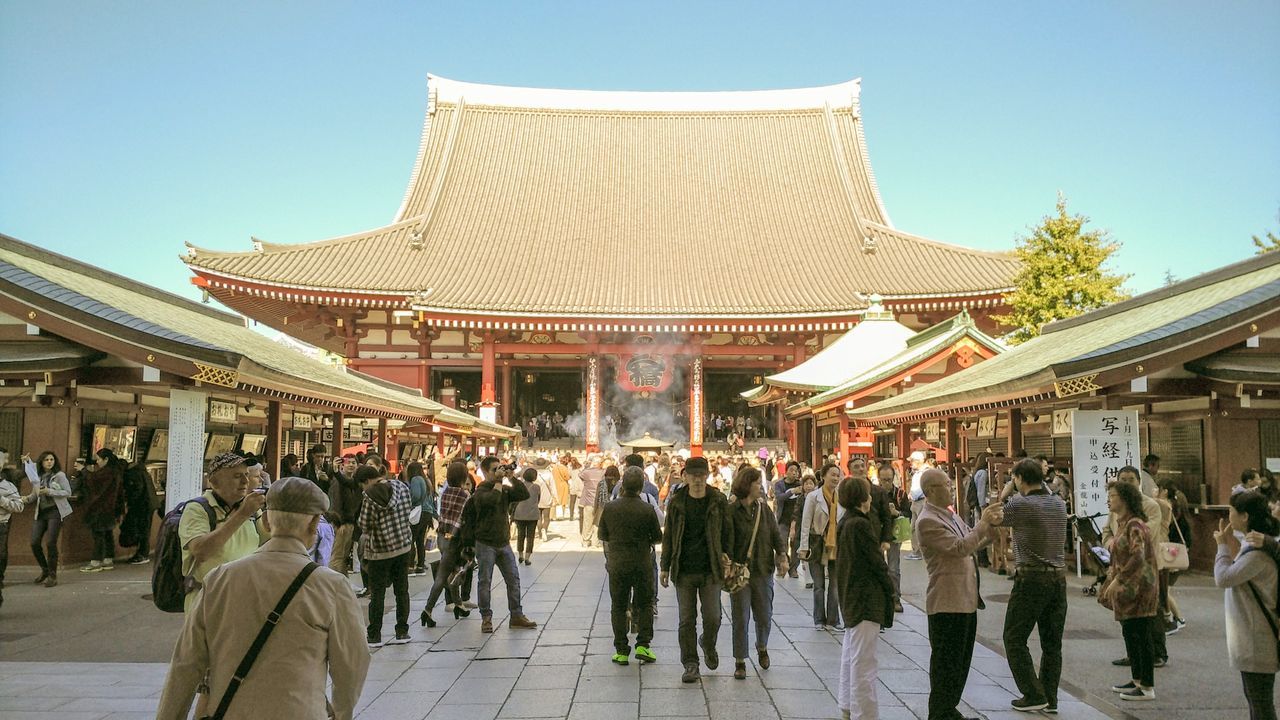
1172, 556
273, 619
740, 573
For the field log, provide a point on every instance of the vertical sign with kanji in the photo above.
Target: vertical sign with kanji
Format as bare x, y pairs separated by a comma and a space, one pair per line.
1102, 442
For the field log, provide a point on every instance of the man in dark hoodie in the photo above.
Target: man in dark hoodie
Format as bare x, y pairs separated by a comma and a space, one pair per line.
316, 469
629, 527
486, 524
693, 555
345, 498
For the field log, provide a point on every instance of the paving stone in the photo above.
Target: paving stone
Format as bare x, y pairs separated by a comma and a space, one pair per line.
791, 678
805, 703
537, 704
740, 710
401, 706
495, 668
425, 680
604, 711
536, 677
682, 702
443, 711
479, 691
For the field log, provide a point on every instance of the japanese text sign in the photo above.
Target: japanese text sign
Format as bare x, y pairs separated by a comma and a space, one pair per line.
1102, 442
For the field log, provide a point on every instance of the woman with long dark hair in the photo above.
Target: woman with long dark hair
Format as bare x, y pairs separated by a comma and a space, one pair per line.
102, 508
1132, 590
452, 501
50, 490
1249, 578
866, 600
422, 494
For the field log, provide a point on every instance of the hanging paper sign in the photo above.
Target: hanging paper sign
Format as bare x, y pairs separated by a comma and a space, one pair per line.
1102, 442
643, 372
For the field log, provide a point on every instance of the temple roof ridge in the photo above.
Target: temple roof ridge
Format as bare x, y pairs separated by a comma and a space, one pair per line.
839, 95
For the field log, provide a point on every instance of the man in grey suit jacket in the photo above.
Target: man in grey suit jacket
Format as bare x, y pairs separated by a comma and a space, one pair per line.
951, 600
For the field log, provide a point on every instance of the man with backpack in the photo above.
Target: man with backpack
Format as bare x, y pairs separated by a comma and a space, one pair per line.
222, 524
270, 627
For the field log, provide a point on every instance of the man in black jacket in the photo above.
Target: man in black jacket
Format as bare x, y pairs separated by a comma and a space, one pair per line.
693, 556
486, 524
317, 470
630, 528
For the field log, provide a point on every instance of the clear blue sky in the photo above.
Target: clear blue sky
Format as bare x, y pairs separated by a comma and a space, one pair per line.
128, 128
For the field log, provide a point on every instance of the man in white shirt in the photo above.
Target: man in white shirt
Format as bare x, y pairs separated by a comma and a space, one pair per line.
1150, 468
916, 494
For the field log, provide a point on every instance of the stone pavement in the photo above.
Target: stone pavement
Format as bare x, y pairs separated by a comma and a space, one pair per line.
562, 669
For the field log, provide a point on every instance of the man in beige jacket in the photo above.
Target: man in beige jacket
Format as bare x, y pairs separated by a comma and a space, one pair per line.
320, 635
951, 600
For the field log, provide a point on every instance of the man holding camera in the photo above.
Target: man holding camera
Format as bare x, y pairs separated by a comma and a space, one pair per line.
236, 507
486, 524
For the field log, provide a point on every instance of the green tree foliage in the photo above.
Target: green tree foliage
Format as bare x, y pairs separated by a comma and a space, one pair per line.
1063, 274
1267, 243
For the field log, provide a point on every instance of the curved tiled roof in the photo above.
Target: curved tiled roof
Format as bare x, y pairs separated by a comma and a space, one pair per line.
597, 197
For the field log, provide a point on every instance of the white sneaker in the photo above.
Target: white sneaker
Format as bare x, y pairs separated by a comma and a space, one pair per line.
92, 567
1139, 694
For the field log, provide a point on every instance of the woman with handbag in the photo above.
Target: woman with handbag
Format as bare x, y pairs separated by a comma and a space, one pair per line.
1132, 589
754, 545
1249, 578
866, 600
422, 495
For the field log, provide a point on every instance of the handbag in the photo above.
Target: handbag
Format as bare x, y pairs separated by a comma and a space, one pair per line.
740, 573
273, 619
1173, 556
415, 515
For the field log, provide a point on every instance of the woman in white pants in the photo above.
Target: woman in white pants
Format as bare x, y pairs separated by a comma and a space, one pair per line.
866, 600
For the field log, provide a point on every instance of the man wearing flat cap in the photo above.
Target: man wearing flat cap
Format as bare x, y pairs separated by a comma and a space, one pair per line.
318, 637
235, 507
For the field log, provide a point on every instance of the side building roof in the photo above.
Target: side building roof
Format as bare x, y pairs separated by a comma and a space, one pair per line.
205, 344
597, 193
1114, 344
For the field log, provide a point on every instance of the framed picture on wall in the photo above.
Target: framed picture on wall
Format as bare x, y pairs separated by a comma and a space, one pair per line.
253, 443
987, 426
218, 444
158, 450
223, 412
368, 435
326, 435
120, 440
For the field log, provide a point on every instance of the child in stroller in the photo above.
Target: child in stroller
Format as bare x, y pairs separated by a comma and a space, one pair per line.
1091, 539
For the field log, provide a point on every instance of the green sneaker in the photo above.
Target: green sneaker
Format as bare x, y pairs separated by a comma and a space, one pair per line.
645, 655
620, 659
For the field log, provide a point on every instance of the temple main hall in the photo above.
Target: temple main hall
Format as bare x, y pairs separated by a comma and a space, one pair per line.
624, 261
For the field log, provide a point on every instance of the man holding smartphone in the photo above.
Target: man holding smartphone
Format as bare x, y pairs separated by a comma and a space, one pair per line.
486, 524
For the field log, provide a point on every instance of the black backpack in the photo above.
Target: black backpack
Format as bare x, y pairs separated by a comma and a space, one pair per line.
169, 586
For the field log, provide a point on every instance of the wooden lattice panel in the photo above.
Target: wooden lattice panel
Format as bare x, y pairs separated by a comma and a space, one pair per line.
216, 376
1076, 385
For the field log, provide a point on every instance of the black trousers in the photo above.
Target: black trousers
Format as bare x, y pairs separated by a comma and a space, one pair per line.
419, 555
1259, 690
951, 639
1039, 601
4, 550
104, 543
47, 526
525, 530
1137, 642
631, 588
389, 573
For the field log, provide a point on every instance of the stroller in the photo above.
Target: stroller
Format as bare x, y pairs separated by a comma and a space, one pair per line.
1091, 539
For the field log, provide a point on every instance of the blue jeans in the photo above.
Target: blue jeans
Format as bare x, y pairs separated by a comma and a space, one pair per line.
693, 590
754, 600
486, 557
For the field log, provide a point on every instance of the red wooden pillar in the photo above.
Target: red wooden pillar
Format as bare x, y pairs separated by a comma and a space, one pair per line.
843, 444
695, 406
335, 450
506, 393
381, 440
424, 354
487, 371
904, 449
591, 405
951, 435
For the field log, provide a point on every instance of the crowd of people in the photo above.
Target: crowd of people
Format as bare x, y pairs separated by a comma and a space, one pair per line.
705, 526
